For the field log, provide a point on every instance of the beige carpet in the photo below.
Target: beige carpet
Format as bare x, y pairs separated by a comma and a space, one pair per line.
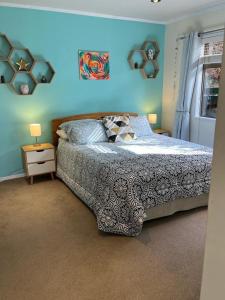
50, 248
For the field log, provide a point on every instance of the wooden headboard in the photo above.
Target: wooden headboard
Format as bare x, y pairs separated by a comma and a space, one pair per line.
98, 115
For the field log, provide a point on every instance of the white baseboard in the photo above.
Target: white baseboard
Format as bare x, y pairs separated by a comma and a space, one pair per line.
12, 177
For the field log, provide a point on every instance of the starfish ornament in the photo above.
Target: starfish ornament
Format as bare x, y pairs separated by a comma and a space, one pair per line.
22, 65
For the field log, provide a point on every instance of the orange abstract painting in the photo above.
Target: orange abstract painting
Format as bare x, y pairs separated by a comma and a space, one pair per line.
94, 65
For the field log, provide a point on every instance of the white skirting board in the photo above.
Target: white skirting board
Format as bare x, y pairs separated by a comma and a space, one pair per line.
12, 177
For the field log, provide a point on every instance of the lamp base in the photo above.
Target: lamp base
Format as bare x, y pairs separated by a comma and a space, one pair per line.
36, 144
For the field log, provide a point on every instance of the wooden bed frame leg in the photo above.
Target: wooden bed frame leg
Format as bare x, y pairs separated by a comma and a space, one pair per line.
31, 179
52, 175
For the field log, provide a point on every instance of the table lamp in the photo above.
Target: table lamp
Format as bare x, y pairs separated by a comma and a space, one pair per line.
152, 118
35, 130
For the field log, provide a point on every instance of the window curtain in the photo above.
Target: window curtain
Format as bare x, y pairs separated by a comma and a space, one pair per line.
189, 72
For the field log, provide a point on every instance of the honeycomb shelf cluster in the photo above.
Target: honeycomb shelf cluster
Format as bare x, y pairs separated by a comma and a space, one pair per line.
9, 69
145, 59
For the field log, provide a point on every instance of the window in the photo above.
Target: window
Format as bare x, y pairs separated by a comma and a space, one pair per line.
212, 50
210, 89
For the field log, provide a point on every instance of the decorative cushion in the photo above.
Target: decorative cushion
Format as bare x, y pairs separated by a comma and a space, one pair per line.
141, 126
118, 129
88, 131
62, 134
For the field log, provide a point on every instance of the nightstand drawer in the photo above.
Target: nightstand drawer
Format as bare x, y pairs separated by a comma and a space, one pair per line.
41, 168
40, 155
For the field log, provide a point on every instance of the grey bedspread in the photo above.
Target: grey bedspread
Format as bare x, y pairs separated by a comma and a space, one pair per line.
120, 181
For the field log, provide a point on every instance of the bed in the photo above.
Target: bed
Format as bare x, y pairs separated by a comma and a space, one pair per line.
126, 184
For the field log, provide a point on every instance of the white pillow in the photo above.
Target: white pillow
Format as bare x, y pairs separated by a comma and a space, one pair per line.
62, 134
141, 126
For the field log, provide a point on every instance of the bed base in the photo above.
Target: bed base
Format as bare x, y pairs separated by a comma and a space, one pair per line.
180, 204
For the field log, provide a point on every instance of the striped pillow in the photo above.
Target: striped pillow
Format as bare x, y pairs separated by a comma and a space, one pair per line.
87, 131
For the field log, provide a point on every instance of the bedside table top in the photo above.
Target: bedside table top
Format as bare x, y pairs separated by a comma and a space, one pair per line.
28, 148
160, 131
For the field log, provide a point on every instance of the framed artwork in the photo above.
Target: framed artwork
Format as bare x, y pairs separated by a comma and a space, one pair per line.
94, 65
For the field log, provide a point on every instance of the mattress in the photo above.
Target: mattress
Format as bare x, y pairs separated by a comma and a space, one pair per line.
120, 182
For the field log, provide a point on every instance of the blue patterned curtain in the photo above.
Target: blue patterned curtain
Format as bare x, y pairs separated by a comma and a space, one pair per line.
189, 71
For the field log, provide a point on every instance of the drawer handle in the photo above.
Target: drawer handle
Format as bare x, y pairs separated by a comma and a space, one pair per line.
40, 150
41, 162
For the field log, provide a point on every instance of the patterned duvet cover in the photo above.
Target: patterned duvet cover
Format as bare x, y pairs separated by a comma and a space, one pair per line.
120, 181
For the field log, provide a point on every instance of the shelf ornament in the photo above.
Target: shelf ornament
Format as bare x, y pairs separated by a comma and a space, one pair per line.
22, 65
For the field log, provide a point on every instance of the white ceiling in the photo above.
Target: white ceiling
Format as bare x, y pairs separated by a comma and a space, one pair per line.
163, 12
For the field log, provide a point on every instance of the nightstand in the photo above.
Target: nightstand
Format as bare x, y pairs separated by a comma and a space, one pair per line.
162, 131
39, 159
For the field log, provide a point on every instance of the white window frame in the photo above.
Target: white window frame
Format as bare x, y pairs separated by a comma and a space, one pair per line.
206, 60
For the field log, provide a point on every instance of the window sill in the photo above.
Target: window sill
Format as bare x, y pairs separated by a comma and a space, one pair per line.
206, 118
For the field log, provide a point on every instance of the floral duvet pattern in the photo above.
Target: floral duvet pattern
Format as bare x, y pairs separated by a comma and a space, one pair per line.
120, 181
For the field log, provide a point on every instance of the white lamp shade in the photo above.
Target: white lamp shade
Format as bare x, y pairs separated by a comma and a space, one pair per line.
152, 118
35, 129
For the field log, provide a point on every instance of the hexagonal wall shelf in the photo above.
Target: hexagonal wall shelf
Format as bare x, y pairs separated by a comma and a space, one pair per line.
5, 47
153, 48
137, 58
21, 78
7, 71
42, 71
153, 72
148, 53
33, 73
17, 54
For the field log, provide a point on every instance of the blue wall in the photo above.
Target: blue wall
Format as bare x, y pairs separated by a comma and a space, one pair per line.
57, 37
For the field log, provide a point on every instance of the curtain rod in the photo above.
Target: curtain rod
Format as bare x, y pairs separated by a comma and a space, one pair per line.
210, 31
201, 33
